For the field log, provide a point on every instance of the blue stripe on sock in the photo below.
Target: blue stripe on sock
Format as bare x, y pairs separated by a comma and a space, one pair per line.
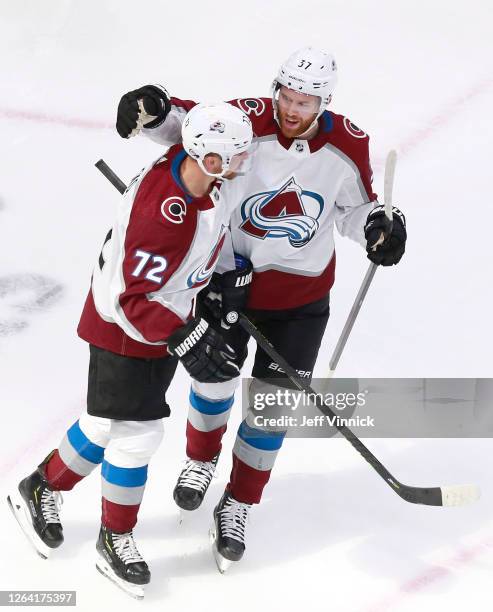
83, 446
210, 406
124, 477
262, 440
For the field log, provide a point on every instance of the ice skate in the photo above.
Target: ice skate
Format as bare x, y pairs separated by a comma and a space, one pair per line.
36, 508
120, 561
192, 484
228, 531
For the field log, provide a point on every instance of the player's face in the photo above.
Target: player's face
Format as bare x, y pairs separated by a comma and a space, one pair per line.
296, 111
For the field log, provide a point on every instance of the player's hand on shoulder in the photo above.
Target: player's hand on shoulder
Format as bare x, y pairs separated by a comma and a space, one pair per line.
203, 352
390, 251
147, 106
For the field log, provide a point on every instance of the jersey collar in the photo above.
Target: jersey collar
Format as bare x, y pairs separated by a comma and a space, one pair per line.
203, 203
325, 125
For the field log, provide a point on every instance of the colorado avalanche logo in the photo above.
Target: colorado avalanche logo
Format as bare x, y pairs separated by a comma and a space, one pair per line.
201, 275
354, 130
218, 126
290, 212
252, 105
174, 209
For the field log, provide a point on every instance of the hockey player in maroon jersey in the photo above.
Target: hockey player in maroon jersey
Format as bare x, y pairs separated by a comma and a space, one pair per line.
160, 252
311, 171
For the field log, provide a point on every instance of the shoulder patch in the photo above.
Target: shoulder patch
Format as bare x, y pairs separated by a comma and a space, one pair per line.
354, 130
251, 105
174, 209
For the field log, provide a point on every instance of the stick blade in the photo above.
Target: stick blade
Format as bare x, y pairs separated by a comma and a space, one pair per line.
460, 495
453, 495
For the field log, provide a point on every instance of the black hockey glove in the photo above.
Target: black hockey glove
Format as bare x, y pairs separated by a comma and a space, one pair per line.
210, 297
390, 251
156, 102
227, 293
203, 352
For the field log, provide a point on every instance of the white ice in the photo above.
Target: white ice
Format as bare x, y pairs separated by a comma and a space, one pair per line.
329, 534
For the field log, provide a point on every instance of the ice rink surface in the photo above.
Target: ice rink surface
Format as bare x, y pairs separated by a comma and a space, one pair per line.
329, 535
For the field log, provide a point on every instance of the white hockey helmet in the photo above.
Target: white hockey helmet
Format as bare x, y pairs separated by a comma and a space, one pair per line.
220, 128
309, 71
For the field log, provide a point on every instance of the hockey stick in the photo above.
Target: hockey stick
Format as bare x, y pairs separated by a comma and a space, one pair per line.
456, 495
103, 167
390, 164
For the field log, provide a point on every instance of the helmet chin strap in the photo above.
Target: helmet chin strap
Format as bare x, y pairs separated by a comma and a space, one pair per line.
313, 124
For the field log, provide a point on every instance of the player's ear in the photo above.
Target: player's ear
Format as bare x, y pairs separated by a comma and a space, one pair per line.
213, 163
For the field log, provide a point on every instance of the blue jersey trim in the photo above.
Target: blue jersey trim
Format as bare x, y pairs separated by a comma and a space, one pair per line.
209, 406
269, 441
124, 477
327, 121
83, 446
175, 173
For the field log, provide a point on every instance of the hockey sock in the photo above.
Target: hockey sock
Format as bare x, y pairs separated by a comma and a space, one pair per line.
206, 424
75, 458
122, 493
254, 454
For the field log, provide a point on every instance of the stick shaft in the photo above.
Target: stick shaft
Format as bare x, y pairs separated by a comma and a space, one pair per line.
353, 313
388, 180
103, 167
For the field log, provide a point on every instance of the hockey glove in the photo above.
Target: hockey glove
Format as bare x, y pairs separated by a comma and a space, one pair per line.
390, 251
153, 110
227, 293
203, 352
211, 298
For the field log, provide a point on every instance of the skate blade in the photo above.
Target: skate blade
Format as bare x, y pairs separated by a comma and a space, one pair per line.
22, 515
221, 562
184, 516
134, 590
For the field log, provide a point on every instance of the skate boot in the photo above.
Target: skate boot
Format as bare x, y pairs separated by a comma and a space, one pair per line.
193, 483
36, 507
228, 531
120, 561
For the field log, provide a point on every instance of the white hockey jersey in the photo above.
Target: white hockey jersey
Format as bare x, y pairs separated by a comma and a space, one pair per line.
161, 251
284, 210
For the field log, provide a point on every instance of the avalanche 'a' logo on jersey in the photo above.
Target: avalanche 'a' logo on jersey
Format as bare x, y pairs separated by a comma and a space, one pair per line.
290, 212
202, 274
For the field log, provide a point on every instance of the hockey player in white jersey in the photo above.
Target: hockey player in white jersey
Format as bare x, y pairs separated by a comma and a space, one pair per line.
160, 252
311, 172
